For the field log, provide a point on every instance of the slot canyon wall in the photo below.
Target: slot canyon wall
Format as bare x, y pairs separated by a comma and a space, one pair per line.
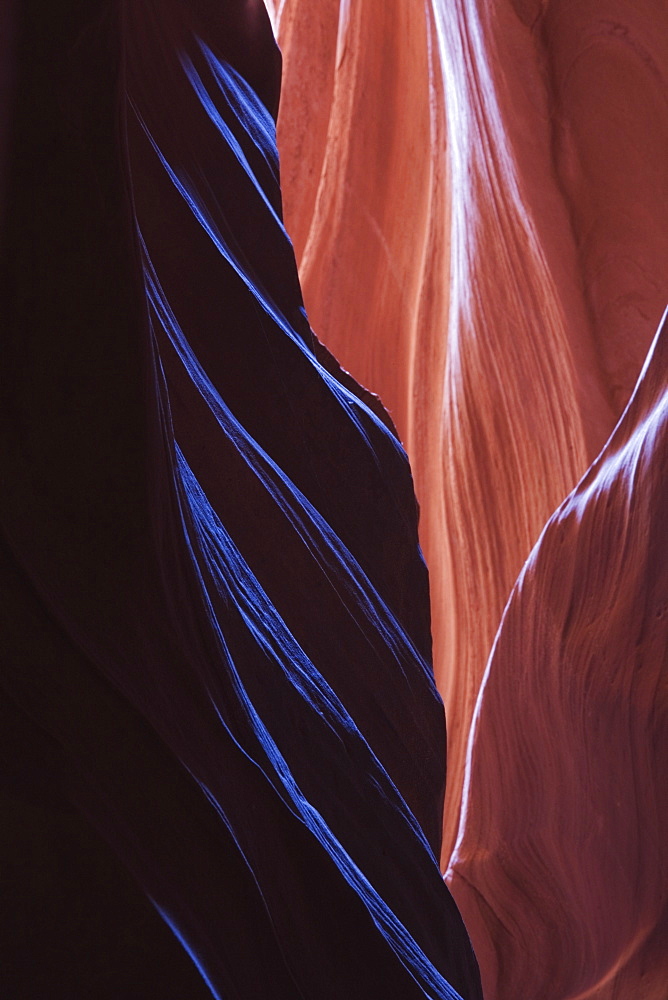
478, 199
222, 751
222, 743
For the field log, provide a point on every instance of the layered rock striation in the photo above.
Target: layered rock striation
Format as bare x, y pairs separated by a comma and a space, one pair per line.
215, 610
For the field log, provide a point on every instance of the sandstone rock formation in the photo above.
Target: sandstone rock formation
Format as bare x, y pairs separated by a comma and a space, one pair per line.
562, 861
215, 668
496, 276
222, 748
506, 266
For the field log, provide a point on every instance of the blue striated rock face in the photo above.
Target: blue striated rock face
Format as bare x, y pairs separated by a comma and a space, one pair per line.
216, 607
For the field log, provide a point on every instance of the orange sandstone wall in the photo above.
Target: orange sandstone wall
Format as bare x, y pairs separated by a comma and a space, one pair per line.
477, 197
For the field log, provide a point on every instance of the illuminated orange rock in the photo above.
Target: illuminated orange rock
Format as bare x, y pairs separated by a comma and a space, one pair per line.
374, 256
501, 301
560, 869
354, 129
498, 287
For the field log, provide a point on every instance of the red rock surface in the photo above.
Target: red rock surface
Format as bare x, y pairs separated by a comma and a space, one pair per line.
497, 278
477, 196
562, 860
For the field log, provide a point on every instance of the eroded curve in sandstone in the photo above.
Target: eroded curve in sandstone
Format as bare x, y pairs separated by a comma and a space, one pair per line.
561, 862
